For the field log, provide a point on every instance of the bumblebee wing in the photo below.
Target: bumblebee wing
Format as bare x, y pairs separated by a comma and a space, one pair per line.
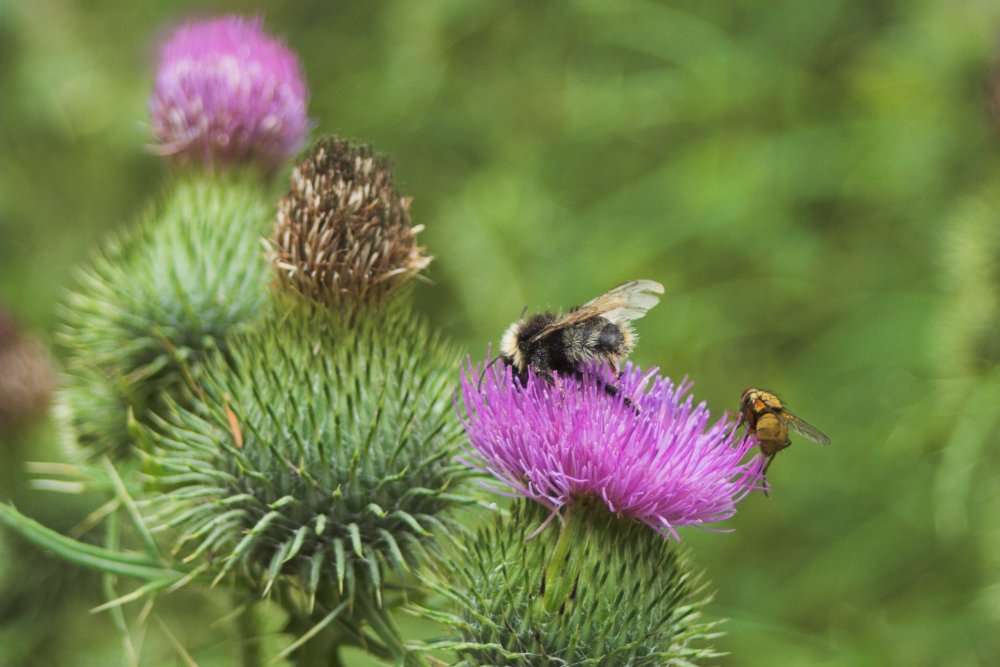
629, 301
806, 430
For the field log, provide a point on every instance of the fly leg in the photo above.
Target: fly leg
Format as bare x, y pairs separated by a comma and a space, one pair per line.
767, 464
763, 474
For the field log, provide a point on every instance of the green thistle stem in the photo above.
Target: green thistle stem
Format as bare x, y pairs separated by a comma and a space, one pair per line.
320, 651
248, 630
323, 650
113, 543
563, 569
381, 623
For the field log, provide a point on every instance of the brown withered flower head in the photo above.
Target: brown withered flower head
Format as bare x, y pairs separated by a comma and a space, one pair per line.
26, 377
343, 234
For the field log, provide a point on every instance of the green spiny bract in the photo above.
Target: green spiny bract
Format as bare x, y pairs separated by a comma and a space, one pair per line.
156, 300
616, 594
315, 455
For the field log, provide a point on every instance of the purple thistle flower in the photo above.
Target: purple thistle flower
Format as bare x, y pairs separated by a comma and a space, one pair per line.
663, 465
227, 92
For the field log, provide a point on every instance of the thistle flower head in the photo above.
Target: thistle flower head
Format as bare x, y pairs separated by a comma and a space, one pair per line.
343, 234
225, 91
659, 460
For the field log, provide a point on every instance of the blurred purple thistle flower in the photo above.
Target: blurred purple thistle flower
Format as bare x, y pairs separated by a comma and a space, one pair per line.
663, 465
227, 92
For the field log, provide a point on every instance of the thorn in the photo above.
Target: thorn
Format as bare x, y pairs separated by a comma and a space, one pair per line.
234, 424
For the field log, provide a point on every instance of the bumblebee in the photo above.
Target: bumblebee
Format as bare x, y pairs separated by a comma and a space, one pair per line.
769, 420
599, 330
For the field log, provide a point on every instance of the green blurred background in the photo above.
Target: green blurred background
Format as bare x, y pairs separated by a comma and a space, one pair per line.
816, 183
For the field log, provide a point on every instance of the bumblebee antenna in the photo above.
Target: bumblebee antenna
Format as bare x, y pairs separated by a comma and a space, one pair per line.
479, 385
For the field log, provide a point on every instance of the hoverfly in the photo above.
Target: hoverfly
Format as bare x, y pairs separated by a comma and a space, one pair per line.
768, 419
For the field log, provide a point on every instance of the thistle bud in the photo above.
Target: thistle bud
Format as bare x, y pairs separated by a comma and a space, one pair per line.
343, 235
318, 457
155, 302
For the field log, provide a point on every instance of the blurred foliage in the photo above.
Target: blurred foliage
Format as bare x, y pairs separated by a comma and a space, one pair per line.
816, 184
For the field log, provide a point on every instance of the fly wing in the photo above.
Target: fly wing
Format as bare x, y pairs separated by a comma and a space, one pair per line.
804, 429
629, 301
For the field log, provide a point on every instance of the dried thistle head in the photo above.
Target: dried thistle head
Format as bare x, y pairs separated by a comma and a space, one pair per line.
343, 234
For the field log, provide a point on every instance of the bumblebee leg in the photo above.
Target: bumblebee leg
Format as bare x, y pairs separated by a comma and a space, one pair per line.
609, 389
613, 391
